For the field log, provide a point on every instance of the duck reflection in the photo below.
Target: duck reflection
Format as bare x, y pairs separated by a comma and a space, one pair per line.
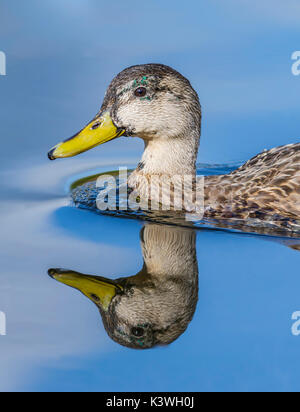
155, 306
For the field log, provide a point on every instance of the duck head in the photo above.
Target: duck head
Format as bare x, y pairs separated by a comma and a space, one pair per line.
155, 306
150, 101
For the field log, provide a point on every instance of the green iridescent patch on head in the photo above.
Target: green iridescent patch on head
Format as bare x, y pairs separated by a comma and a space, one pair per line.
137, 342
144, 81
146, 98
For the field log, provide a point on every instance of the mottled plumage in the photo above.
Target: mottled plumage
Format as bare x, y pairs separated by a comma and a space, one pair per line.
267, 185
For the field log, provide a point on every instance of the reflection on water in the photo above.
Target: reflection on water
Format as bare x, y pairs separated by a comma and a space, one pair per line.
155, 306
240, 332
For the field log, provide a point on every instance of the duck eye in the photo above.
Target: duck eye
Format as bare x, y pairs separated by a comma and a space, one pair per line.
138, 332
95, 297
140, 92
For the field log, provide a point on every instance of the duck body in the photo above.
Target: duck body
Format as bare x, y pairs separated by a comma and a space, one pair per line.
156, 103
268, 184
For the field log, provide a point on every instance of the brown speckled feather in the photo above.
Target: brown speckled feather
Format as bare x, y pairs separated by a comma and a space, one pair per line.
267, 184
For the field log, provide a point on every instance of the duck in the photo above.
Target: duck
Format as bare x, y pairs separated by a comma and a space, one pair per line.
156, 103
155, 306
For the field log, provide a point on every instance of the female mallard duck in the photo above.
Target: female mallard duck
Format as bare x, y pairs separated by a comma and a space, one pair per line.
159, 105
155, 306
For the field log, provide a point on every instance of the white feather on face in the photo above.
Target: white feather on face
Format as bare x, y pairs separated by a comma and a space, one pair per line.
163, 113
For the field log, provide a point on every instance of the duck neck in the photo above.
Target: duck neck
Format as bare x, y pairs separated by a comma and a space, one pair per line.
169, 157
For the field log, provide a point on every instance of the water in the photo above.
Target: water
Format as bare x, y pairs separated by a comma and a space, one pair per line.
242, 288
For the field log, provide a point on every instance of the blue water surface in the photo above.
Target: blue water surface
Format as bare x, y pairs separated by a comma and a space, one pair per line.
61, 55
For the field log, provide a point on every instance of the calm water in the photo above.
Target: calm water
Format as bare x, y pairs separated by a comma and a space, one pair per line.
240, 336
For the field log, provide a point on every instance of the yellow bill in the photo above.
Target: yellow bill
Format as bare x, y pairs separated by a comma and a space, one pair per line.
99, 290
97, 132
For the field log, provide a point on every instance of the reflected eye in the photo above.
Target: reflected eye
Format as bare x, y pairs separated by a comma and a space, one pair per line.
95, 297
140, 92
138, 332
